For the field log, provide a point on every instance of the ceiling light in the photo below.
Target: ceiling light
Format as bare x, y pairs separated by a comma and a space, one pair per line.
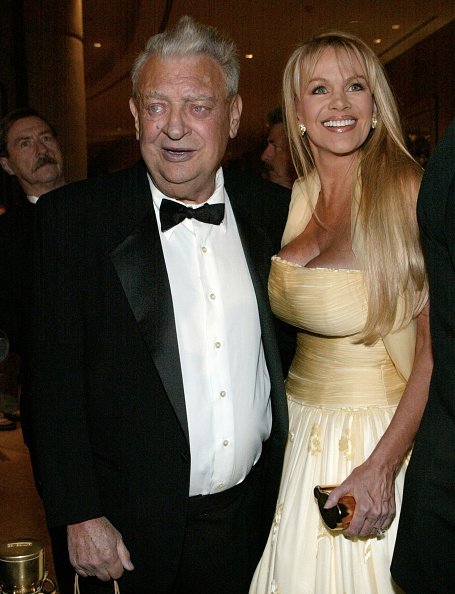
249, 56
395, 27
97, 44
377, 40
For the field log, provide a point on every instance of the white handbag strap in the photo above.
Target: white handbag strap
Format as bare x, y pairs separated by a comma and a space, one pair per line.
76, 585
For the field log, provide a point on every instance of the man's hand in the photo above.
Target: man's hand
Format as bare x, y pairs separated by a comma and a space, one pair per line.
96, 549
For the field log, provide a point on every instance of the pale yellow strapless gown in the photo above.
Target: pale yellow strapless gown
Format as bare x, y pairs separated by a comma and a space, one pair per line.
341, 397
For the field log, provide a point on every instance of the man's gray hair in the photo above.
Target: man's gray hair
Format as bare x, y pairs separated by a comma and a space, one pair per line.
188, 37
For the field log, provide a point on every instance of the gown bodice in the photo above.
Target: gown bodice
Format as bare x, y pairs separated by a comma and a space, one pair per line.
329, 306
342, 396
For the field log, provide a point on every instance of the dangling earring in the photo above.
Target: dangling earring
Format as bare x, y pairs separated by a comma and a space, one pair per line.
374, 122
302, 129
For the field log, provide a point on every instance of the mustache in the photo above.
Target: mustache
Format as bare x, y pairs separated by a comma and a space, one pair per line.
44, 160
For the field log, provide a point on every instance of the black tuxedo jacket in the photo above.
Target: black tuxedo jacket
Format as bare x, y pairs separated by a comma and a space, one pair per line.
108, 409
424, 558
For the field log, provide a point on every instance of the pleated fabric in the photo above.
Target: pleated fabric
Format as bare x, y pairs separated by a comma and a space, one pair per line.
342, 397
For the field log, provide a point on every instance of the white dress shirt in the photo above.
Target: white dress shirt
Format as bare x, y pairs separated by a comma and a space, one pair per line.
225, 376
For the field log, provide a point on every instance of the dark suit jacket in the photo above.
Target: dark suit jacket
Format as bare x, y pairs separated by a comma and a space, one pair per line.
108, 402
15, 269
424, 559
16, 230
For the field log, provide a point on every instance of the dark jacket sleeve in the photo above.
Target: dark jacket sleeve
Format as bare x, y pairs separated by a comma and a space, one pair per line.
61, 443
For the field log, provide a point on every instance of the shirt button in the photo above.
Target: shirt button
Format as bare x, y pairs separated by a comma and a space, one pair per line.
212, 296
218, 345
204, 249
226, 442
222, 393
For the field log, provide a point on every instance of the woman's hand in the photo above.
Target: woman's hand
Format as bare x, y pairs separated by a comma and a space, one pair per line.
373, 490
372, 483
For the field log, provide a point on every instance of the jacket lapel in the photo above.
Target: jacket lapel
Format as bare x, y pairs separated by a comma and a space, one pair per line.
254, 243
258, 251
139, 262
258, 260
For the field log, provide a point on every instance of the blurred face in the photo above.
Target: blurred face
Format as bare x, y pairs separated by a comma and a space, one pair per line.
34, 156
277, 157
336, 106
184, 120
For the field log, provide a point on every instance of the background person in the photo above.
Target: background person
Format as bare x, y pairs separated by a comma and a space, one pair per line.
156, 362
351, 277
277, 155
30, 151
423, 561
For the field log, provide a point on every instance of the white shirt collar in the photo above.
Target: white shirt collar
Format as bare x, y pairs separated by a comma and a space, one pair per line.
33, 199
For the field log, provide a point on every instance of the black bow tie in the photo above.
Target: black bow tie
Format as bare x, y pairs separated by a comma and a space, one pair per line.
173, 213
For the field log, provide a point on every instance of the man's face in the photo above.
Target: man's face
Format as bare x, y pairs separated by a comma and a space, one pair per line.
277, 157
34, 156
184, 119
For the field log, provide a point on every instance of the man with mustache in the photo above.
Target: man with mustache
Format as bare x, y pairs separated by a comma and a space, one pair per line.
29, 150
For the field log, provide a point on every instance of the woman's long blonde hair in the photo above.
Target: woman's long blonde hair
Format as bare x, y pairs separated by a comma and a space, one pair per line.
387, 181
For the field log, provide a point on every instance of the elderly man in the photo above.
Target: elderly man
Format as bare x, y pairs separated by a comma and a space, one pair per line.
156, 359
277, 155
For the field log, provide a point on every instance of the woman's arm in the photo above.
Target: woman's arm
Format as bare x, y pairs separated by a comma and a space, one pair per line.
372, 483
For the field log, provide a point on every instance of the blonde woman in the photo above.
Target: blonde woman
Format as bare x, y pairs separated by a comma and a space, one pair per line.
350, 275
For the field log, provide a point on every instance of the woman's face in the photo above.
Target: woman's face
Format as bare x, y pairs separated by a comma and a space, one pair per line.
336, 106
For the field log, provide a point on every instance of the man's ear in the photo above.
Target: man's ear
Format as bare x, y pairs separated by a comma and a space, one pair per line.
6, 166
235, 111
135, 112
